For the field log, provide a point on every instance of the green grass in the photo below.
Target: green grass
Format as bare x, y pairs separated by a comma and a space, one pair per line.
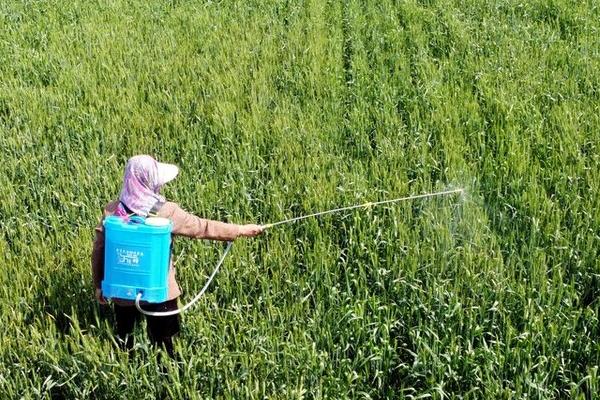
274, 109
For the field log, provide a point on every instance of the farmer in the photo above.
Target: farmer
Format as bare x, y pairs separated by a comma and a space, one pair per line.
143, 179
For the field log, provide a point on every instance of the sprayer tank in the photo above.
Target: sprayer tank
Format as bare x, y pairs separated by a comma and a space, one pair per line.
136, 258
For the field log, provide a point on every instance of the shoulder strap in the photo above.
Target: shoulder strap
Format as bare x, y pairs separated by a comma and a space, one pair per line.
127, 209
156, 208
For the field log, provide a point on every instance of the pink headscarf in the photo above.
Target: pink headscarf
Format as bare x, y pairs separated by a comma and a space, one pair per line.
144, 177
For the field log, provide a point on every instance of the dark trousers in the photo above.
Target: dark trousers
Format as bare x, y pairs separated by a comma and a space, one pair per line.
160, 329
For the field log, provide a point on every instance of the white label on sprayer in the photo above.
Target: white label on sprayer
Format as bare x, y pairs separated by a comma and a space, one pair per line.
129, 257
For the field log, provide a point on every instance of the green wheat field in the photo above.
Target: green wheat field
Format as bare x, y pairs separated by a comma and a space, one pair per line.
275, 109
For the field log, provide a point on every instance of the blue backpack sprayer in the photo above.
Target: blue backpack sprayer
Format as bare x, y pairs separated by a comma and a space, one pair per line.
137, 255
136, 258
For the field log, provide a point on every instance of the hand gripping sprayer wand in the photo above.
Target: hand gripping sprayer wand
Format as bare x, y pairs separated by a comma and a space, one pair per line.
288, 221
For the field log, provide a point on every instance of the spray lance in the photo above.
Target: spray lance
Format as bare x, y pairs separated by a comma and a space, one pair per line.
283, 222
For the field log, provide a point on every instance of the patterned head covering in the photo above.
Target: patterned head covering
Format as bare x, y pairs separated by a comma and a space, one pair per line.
144, 177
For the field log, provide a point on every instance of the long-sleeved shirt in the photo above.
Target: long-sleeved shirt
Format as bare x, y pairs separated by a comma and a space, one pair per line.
184, 224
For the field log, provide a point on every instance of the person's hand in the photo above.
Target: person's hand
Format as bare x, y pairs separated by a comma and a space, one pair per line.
251, 230
99, 296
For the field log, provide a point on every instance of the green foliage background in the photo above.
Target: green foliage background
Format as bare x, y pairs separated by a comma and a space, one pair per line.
273, 109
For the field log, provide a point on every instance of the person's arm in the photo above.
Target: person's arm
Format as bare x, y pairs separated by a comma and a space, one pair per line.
186, 224
98, 262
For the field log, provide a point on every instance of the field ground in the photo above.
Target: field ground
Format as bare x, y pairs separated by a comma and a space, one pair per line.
273, 109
